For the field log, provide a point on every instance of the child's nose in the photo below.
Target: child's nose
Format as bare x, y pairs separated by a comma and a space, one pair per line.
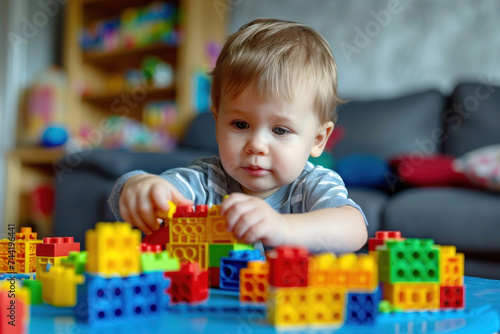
257, 144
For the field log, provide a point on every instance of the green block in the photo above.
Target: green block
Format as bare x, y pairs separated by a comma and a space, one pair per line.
35, 288
410, 260
159, 262
78, 260
216, 251
238, 247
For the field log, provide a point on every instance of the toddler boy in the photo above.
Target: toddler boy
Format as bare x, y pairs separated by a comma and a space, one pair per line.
274, 95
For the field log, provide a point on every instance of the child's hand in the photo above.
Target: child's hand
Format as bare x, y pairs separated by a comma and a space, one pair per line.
251, 218
143, 197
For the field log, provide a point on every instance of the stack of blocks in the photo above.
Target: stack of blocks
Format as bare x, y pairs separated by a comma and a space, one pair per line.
115, 289
197, 235
417, 274
25, 253
322, 289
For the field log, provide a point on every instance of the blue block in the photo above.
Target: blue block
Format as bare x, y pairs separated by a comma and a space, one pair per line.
18, 277
146, 294
230, 267
100, 300
362, 308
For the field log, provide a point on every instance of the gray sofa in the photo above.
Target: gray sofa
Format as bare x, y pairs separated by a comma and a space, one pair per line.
466, 217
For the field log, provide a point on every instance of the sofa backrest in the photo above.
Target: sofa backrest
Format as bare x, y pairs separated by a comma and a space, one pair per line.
388, 127
472, 119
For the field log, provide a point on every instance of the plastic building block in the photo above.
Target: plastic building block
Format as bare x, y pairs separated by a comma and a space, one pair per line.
172, 208
217, 227
452, 297
159, 262
381, 237
216, 252
187, 211
161, 236
59, 286
53, 247
230, 267
42, 263
189, 284
288, 266
320, 271
326, 305
254, 282
451, 266
14, 311
289, 306
101, 300
150, 248
145, 294
364, 273
411, 260
26, 234
18, 277
190, 253
413, 296
112, 249
35, 288
188, 230
77, 260
20, 256
214, 277
362, 308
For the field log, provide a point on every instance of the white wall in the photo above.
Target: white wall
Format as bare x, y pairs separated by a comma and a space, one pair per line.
388, 47
29, 43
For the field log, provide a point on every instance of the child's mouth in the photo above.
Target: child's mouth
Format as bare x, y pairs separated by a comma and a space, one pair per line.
256, 171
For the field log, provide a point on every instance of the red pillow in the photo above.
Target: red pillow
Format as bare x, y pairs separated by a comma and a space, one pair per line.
428, 171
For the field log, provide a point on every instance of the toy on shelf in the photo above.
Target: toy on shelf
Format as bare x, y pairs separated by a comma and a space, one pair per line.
135, 27
47, 110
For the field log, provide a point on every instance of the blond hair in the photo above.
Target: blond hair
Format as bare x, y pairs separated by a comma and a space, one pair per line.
278, 59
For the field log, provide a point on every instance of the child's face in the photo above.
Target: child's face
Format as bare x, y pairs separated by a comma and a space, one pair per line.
265, 145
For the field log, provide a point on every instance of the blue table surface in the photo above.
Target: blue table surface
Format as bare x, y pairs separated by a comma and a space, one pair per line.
481, 315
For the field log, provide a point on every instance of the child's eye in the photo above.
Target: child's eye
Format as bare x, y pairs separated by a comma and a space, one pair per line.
281, 131
240, 125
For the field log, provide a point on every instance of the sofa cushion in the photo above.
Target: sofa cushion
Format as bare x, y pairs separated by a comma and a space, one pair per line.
389, 127
472, 118
201, 133
373, 203
466, 218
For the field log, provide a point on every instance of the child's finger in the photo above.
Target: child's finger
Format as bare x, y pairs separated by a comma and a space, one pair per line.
237, 212
132, 218
178, 199
147, 214
231, 200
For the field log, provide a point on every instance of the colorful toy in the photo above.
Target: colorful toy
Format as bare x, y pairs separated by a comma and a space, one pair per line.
14, 312
19, 256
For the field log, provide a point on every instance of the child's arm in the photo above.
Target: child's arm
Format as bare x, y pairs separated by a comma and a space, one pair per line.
338, 230
143, 196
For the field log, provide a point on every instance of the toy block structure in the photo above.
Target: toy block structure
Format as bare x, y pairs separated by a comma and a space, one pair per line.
189, 284
77, 260
362, 308
254, 282
55, 247
288, 266
114, 299
113, 249
194, 253
162, 261
231, 265
19, 256
59, 286
14, 310
419, 275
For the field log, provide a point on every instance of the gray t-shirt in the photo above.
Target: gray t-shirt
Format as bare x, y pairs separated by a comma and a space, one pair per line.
204, 181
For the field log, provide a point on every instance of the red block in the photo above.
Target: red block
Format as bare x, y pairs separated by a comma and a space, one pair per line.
54, 247
189, 284
158, 237
20, 309
288, 266
214, 276
150, 248
452, 297
381, 237
188, 211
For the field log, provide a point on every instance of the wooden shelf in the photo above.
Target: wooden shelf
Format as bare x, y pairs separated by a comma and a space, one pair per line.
151, 94
109, 57
37, 155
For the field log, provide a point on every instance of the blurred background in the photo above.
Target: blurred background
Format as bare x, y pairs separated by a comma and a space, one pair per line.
84, 75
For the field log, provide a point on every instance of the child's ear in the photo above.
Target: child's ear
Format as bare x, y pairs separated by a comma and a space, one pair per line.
321, 139
214, 112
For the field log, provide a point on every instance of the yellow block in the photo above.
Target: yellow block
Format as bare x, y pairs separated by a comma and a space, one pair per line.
413, 296
451, 266
113, 249
59, 286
